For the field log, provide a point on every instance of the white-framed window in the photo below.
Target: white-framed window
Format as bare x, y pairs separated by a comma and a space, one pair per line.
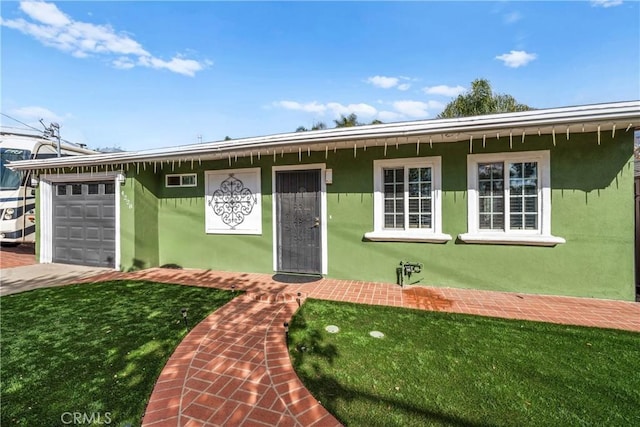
509, 199
407, 205
181, 180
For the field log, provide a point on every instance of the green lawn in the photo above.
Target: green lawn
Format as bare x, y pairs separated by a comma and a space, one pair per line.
445, 369
95, 349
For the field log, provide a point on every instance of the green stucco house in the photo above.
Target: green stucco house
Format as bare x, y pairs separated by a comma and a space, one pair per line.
539, 201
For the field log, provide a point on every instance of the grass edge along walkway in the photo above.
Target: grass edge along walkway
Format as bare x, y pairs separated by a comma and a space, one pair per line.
601, 313
95, 348
451, 369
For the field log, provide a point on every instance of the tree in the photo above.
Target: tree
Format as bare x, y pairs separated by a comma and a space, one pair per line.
347, 121
343, 122
481, 100
316, 126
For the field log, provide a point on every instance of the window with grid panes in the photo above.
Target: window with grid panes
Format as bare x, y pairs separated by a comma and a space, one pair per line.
406, 200
510, 199
523, 196
394, 198
420, 197
519, 186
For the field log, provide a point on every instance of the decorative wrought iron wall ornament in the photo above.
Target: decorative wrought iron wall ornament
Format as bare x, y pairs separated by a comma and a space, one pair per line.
232, 202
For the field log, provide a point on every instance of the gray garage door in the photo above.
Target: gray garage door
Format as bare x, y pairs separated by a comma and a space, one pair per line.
84, 223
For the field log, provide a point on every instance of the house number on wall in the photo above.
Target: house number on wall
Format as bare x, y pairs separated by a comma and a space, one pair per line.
126, 200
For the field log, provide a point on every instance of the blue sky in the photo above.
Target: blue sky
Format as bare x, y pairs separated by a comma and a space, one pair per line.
141, 75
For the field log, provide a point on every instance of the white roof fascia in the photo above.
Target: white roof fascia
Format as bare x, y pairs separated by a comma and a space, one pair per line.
605, 114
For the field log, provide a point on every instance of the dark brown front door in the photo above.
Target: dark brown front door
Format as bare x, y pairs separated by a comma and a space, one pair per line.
298, 221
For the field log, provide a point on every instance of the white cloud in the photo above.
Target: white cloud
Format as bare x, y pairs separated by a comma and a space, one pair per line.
361, 109
443, 90
415, 108
435, 105
334, 108
32, 115
46, 13
606, 3
385, 82
53, 28
390, 116
188, 67
400, 110
310, 107
123, 63
516, 58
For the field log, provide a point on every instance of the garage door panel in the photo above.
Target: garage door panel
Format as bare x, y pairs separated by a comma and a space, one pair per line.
109, 211
92, 256
76, 211
93, 234
109, 234
60, 212
60, 253
76, 255
92, 211
61, 232
76, 233
84, 227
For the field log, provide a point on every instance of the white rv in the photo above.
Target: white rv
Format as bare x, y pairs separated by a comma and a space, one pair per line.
17, 192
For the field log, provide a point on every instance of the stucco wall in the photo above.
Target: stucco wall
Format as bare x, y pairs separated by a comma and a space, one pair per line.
139, 205
183, 241
592, 208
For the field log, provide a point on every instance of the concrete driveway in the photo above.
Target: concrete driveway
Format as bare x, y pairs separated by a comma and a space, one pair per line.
26, 278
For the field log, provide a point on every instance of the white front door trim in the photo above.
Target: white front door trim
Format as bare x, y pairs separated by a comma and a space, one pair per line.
323, 209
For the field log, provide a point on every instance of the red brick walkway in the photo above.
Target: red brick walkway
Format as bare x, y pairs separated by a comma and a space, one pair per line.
234, 369
17, 256
543, 308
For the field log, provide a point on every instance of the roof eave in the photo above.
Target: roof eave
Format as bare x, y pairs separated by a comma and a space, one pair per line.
450, 130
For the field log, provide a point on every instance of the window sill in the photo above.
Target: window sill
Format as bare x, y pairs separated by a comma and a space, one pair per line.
511, 239
404, 236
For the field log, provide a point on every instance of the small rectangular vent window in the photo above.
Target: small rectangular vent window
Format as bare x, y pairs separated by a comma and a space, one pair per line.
173, 181
182, 180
